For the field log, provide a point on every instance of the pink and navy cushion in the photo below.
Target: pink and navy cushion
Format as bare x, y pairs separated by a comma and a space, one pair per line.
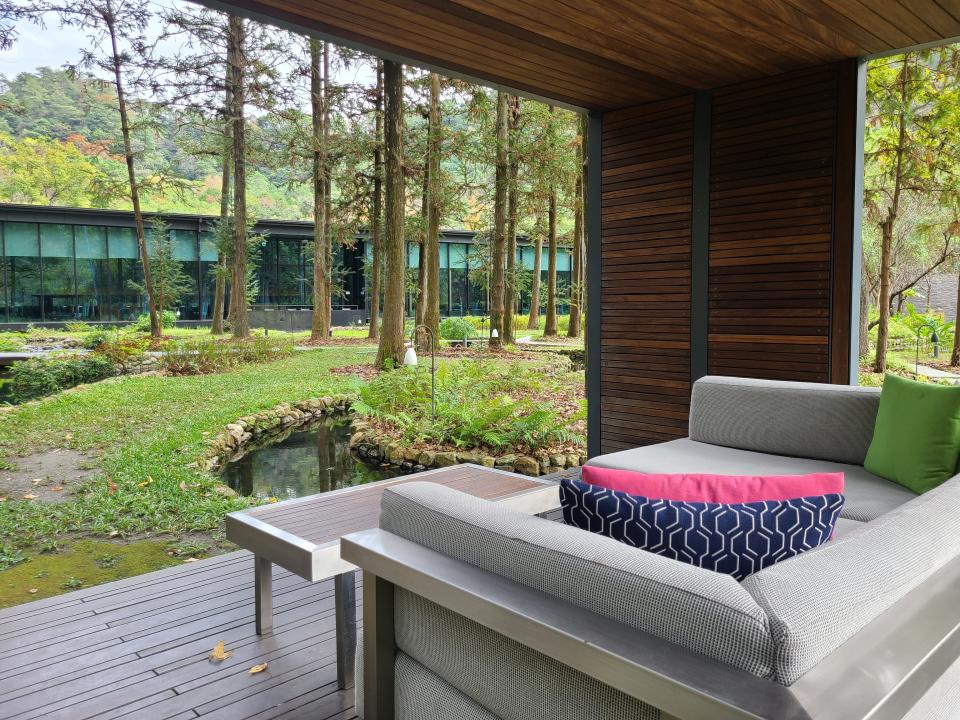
701, 487
737, 539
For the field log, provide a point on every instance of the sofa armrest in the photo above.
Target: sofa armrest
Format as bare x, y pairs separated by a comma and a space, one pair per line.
683, 684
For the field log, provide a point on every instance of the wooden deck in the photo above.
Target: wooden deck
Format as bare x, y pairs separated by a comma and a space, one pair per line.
138, 648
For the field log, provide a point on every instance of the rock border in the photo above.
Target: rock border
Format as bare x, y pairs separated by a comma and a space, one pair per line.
232, 441
376, 448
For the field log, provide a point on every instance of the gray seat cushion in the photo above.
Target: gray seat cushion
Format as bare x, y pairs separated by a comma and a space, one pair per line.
703, 611
817, 600
868, 496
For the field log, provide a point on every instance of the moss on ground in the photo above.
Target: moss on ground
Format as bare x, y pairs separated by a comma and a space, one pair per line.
80, 564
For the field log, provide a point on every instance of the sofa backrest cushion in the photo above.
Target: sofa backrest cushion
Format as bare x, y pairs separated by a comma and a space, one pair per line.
806, 420
819, 600
700, 610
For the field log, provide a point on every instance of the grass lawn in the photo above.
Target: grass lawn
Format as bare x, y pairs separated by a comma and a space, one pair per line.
140, 433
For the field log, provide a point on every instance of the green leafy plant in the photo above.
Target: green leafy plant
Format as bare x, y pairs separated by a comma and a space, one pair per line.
38, 377
10, 556
210, 356
167, 320
456, 328
120, 350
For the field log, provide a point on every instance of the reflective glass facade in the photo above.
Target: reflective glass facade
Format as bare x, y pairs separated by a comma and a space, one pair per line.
85, 265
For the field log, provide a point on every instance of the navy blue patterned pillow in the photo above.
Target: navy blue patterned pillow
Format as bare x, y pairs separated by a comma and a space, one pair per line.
737, 540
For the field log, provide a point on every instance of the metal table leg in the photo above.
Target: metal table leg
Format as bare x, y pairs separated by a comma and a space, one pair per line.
263, 595
345, 592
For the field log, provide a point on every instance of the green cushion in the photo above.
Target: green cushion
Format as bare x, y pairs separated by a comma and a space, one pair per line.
916, 440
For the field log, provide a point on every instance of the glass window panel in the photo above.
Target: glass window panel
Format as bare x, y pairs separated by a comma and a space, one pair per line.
56, 241
458, 255
93, 268
413, 255
529, 255
208, 250
267, 272
187, 303
292, 286
563, 260
444, 287
59, 287
21, 239
184, 245
444, 255
4, 282
458, 291
123, 243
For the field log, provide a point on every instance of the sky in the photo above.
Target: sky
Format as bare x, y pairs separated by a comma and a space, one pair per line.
54, 47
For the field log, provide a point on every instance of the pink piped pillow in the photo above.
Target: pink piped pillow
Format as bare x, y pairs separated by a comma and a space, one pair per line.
729, 489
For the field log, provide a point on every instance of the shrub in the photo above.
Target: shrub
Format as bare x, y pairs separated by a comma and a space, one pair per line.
11, 342
167, 320
479, 404
209, 356
38, 377
95, 337
121, 349
456, 328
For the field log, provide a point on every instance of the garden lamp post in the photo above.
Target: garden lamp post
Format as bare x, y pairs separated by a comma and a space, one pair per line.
935, 340
410, 359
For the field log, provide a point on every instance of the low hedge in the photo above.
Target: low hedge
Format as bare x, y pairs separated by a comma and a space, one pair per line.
38, 377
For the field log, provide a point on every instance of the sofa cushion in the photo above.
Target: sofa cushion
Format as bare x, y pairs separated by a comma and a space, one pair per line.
701, 610
824, 422
820, 599
705, 487
737, 539
917, 437
867, 496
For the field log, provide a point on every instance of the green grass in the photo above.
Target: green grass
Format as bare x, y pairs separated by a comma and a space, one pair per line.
146, 430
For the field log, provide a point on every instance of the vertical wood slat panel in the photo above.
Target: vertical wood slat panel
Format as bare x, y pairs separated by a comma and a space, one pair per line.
772, 227
647, 168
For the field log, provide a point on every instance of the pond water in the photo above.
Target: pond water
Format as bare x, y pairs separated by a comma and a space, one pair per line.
309, 461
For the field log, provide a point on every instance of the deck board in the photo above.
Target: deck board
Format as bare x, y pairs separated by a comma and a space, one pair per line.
138, 648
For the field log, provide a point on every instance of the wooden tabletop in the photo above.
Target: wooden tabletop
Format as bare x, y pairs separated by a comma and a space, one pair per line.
303, 535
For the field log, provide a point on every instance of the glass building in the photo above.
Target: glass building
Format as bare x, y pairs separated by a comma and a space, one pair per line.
66, 264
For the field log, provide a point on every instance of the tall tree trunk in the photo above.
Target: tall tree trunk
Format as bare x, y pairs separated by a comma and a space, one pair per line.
238, 293
319, 327
955, 355
513, 170
423, 281
391, 347
576, 286
155, 326
550, 325
499, 222
886, 230
226, 171
533, 323
431, 249
327, 307
374, 332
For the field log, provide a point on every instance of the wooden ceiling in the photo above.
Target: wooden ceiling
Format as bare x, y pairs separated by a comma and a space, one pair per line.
604, 54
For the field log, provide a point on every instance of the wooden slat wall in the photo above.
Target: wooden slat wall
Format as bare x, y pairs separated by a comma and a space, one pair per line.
772, 172
647, 155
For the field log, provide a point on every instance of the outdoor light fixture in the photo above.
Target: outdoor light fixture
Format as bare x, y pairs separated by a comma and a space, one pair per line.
494, 333
410, 359
935, 339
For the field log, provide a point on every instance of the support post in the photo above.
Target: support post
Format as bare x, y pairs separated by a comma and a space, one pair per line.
263, 594
700, 232
345, 599
847, 221
594, 278
379, 649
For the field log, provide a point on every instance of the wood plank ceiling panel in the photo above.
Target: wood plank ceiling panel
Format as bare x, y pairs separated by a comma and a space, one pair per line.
646, 242
607, 54
771, 227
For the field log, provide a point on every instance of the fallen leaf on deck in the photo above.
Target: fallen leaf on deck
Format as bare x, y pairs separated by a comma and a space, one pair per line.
219, 653
257, 669
191, 560
29, 496
272, 500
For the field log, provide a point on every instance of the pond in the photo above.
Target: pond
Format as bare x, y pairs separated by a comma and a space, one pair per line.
312, 460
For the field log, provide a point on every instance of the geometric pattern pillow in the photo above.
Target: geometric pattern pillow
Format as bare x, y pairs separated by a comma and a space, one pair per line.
735, 539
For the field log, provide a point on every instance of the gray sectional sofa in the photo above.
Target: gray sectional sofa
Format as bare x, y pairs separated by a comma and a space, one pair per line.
475, 612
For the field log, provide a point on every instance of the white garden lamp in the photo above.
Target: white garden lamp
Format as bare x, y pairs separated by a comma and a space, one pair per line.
410, 356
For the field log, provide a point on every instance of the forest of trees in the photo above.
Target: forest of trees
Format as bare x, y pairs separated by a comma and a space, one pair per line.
177, 108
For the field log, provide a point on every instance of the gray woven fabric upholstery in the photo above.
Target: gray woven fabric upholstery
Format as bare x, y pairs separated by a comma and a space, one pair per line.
505, 677
824, 422
868, 496
817, 600
703, 611
422, 695
942, 701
